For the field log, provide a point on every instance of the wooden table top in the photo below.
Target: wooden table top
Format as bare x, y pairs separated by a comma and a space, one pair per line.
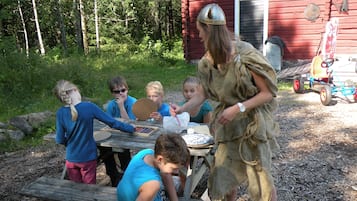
124, 140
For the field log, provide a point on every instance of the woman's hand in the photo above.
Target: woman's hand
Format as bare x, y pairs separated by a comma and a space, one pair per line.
228, 114
174, 109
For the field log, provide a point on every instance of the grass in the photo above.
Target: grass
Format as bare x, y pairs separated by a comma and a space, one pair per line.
285, 85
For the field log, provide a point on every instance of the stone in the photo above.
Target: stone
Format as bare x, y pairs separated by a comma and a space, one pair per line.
3, 125
3, 136
20, 122
36, 119
16, 134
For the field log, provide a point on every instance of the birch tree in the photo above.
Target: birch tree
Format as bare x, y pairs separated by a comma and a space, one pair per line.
96, 26
40, 42
24, 29
84, 28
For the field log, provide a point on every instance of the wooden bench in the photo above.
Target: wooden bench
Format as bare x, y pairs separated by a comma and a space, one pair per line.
64, 190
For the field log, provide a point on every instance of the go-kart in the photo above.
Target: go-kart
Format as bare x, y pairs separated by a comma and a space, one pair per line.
322, 80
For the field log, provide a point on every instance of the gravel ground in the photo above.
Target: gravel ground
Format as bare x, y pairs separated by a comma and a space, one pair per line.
317, 161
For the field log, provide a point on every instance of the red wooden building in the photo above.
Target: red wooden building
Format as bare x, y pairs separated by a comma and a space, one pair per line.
297, 22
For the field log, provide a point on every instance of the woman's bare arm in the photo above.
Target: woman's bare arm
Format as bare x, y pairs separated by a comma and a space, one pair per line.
263, 96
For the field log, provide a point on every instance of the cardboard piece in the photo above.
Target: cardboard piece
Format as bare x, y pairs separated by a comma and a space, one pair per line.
143, 107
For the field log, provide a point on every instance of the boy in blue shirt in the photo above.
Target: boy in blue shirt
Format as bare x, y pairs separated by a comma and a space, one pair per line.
120, 107
149, 170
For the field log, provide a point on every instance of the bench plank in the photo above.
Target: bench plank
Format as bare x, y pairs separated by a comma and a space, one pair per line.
65, 190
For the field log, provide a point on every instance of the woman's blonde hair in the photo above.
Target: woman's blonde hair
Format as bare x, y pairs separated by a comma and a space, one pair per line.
61, 91
156, 86
219, 39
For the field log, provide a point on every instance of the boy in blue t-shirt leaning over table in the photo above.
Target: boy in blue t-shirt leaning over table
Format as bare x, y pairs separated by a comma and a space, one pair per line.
149, 170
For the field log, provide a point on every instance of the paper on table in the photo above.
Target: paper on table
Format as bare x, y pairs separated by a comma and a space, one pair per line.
176, 124
201, 129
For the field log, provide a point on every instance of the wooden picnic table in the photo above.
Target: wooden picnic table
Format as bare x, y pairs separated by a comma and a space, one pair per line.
121, 140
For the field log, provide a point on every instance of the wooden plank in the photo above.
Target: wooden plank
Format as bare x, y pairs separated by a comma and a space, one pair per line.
65, 190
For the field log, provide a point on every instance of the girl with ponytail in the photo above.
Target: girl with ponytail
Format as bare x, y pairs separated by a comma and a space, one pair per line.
74, 129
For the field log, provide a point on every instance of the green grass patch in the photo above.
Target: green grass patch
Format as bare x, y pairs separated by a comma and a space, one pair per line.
285, 85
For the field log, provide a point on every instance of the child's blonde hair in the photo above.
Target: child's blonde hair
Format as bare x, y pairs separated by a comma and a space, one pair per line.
156, 86
61, 91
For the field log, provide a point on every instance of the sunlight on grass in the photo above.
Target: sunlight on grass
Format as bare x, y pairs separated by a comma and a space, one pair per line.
284, 85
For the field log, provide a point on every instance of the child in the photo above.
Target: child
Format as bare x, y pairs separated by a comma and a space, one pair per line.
155, 92
202, 114
74, 129
120, 107
145, 176
122, 104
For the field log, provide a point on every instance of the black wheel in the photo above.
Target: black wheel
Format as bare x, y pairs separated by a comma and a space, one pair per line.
326, 95
298, 84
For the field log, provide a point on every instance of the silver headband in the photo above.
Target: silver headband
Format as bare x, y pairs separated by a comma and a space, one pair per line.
212, 14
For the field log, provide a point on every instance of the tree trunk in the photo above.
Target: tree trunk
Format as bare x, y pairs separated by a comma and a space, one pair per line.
171, 20
96, 27
40, 42
61, 26
158, 21
24, 28
84, 28
1, 28
77, 18
125, 14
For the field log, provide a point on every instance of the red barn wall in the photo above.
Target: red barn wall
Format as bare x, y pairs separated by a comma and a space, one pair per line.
347, 33
286, 19
302, 37
193, 47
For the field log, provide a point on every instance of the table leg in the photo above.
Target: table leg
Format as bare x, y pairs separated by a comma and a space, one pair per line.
64, 172
194, 175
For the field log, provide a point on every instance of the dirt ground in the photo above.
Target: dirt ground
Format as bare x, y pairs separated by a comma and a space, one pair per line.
317, 161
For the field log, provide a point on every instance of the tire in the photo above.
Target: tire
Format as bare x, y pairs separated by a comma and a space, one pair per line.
326, 95
298, 84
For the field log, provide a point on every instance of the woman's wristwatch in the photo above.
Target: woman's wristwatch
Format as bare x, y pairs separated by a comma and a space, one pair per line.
241, 107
